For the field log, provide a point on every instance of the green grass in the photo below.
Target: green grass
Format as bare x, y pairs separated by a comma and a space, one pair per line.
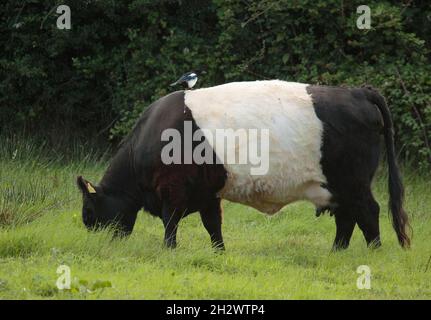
286, 256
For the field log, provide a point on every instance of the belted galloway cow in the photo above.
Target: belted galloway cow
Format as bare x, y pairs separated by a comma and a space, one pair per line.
320, 144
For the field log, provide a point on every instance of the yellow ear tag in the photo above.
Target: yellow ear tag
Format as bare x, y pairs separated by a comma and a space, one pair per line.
90, 188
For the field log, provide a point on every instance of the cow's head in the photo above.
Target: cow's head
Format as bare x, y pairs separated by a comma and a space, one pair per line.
102, 208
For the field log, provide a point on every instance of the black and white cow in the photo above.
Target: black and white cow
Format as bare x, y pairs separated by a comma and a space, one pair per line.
324, 147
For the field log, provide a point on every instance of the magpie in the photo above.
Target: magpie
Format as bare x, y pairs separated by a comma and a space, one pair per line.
189, 79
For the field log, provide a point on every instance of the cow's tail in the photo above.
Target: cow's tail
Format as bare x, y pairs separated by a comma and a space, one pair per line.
400, 220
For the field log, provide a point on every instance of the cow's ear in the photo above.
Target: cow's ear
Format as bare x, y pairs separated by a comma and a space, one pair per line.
85, 186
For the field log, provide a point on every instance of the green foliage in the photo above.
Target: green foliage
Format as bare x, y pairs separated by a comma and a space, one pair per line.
85, 287
121, 55
45, 287
31, 183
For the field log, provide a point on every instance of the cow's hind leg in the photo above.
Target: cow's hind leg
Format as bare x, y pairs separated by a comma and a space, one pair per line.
345, 223
211, 216
367, 217
364, 211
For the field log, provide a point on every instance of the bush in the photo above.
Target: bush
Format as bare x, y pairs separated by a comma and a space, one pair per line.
120, 56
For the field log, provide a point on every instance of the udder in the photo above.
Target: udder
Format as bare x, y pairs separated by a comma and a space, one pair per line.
271, 198
317, 194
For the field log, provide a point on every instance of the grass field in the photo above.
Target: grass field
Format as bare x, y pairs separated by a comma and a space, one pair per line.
282, 257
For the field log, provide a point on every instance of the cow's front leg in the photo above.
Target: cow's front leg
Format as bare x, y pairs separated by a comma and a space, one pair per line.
171, 218
212, 216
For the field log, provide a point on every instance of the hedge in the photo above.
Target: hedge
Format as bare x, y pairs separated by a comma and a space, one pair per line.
120, 56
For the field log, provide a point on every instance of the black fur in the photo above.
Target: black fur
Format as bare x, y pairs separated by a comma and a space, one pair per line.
137, 178
354, 120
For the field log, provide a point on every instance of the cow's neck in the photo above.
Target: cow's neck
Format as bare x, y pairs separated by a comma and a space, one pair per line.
120, 176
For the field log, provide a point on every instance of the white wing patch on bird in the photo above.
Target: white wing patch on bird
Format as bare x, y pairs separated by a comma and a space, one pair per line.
190, 78
192, 82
